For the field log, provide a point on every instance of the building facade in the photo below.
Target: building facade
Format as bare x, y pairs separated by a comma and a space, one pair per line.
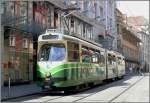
144, 50
140, 25
149, 52
18, 46
102, 11
120, 24
128, 42
131, 49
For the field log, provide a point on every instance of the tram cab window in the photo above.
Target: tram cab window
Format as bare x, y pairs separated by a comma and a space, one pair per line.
73, 52
86, 57
52, 52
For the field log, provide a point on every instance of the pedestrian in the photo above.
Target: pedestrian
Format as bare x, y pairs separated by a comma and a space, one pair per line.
141, 71
11, 69
17, 69
137, 71
130, 70
134, 69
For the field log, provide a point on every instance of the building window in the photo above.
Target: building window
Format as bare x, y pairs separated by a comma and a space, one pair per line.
101, 12
79, 28
56, 25
23, 11
72, 25
88, 33
25, 43
91, 32
75, 26
12, 41
84, 30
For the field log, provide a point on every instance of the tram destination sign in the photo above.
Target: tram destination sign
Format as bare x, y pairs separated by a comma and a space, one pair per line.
50, 37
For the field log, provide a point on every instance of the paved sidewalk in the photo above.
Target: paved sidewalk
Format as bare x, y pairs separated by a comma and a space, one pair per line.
137, 93
135, 74
22, 90
17, 91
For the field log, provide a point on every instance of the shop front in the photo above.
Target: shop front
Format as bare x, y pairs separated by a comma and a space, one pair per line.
131, 64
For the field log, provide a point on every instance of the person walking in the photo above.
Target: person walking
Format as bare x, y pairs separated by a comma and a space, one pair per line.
141, 71
137, 70
130, 70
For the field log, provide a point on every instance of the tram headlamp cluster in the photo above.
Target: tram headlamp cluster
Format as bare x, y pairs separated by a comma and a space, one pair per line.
48, 74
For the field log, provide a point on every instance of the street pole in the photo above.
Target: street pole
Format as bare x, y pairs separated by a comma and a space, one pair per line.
114, 26
106, 14
1, 44
1, 47
0, 40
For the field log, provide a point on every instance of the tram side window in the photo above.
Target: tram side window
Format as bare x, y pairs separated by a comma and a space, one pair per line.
123, 61
102, 59
114, 60
95, 57
73, 52
119, 60
86, 58
110, 61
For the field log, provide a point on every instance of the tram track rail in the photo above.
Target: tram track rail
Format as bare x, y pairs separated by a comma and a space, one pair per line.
126, 89
115, 96
98, 92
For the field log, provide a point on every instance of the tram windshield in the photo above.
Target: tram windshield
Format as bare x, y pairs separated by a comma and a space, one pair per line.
52, 52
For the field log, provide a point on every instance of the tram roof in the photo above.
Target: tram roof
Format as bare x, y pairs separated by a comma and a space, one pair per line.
83, 41
117, 54
71, 37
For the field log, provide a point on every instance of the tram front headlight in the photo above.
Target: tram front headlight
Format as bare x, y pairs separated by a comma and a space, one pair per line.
48, 75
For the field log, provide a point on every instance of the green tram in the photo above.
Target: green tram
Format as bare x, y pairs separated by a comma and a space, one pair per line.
65, 61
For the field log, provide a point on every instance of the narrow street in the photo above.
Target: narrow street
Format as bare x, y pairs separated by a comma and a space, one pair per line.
117, 91
61, 50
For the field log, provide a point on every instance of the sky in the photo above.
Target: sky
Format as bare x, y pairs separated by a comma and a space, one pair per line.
134, 8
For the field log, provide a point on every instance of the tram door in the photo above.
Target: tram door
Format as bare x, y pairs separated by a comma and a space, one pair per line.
111, 66
74, 60
102, 63
86, 67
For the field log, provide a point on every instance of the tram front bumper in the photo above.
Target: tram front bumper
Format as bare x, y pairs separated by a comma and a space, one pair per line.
49, 82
